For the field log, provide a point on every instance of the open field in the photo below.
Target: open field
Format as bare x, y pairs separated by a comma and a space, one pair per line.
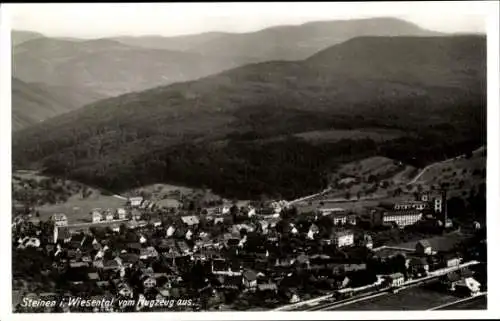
161, 191
376, 134
357, 206
462, 174
416, 298
78, 210
76, 207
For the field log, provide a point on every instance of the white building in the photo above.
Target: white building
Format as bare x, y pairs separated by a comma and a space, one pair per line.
400, 218
121, 214
251, 211
96, 216
109, 216
135, 201
59, 219
343, 238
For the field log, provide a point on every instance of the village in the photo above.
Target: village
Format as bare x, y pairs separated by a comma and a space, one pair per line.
258, 255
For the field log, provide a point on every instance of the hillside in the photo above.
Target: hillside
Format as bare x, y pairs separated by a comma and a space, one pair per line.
19, 36
109, 68
287, 42
460, 175
205, 132
35, 102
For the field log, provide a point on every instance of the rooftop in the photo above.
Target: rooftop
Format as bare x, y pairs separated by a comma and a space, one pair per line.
190, 220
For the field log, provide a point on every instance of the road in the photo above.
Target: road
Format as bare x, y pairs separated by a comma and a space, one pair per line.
376, 295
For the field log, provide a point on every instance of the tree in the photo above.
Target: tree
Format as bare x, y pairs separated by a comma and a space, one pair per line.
123, 229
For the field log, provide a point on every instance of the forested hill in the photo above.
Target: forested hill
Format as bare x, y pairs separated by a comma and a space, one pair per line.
236, 132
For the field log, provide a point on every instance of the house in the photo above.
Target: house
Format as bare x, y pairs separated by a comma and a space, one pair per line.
324, 211
313, 231
468, 286
302, 260
183, 247
125, 290
233, 282
121, 214
191, 221
264, 226
218, 220
423, 247
451, 260
169, 204
136, 214
366, 241
135, 201
129, 258
342, 238
93, 276
236, 229
450, 280
77, 240
29, 242
402, 218
265, 287
354, 267
419, 266
103, 284
170, 231
223, 267
251, 211
110, 265
341, 282
223, 209
96, 216
249, 279
148, 252
131, 225
61, 234
396, 279
59, 219
109, 216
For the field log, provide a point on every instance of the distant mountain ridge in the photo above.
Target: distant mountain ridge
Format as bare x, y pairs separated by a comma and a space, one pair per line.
213, 131
114, 66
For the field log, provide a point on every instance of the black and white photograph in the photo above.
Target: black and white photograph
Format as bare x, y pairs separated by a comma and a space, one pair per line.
249, 157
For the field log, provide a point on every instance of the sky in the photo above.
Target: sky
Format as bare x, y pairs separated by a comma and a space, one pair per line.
171, 19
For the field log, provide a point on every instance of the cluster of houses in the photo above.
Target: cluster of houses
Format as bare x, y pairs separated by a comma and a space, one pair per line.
155, 252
